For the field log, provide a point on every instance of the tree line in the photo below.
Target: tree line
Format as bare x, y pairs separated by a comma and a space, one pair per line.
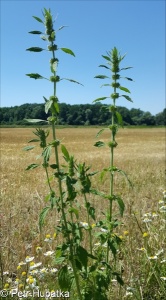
79, 114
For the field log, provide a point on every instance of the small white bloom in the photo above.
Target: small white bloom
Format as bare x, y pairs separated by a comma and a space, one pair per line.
104, 230
53, 270
35, 265
159, 252
28, 259
152, 257
146, 220
84, 224
163, 208
163, 261
48, 253
163, 278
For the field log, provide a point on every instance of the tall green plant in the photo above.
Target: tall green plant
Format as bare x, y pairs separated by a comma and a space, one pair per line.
113, 59
85, 267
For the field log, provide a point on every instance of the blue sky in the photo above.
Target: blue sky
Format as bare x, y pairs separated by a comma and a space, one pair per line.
136, 28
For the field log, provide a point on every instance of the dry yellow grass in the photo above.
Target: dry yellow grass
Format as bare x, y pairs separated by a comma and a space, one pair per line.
140, 153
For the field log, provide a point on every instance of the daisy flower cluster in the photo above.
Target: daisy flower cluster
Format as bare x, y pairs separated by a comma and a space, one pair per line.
31, 273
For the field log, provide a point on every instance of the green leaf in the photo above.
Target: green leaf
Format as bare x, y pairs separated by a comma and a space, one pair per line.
54, 166
101, 76
42, 216
127, 78
35, 76
124, 89
38, 19
34, 141
106, 84
68, 51
47, 153
60, 28
121, 205
73, 210
125, 175
82, 256
48, 105
64, 278
99, 144
35, 32
35, 49
103, 66
91, 211
106, 57
100, 99
59, 260
126, 68
118, 277
27, 148
65, 153
119, 117
32, 166
127, 97
35, 120
99, 132
72, 80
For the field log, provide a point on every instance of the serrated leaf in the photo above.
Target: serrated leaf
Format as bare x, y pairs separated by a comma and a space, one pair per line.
32, 166
72, 80
103, 66
34, 141
121, 205
35, 120
100, 99
106, 84
128, 78
82, 256
127, 97
42, 216
99, 132
35, 49
106, 57
119, 117
101, 76
126, 68
68, 51
64, 278
38, 19
35, 32
59, 260
48, 105
124, 89
60, 28
74, 210
35, 76
99, 144
54, 166
65, 152
27, 148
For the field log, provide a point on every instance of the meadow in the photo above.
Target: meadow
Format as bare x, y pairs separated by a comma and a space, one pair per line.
140, 152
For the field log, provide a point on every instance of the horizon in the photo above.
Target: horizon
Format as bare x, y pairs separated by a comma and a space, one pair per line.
138, 30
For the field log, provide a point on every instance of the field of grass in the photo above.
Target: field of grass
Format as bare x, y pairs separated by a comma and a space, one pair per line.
140, 153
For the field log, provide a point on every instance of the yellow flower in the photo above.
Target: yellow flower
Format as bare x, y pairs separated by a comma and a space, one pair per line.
121, 237
31, 280
18, 267
21, 286
32, 263
6, 286
126, 232
54, 236
23, 273
48, 236
93, 225
145, 234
